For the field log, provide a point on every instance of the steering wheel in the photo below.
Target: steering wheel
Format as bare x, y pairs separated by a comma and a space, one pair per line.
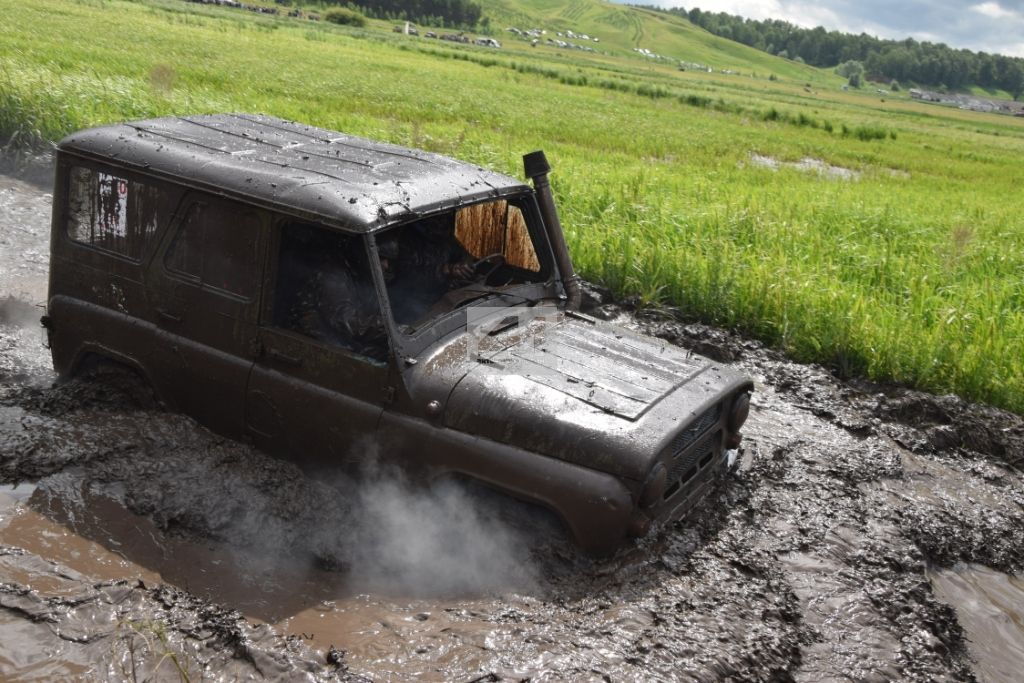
483, 269
497, 259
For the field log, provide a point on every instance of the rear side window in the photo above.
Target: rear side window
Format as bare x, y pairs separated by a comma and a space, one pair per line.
216, 246
112, 212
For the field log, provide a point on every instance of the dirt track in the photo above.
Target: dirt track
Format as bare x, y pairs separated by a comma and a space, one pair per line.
138, 542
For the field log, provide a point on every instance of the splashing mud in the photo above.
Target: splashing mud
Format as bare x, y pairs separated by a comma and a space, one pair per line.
871, 532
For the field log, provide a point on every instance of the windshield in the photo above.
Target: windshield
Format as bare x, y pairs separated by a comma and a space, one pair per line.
440, 263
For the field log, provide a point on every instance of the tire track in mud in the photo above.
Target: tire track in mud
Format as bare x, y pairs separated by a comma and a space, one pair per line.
812, 562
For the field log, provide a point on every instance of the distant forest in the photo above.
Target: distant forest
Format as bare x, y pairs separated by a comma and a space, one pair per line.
907, 61
462, 13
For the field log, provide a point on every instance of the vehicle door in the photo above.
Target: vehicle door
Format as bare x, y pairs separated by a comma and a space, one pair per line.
321, 379
204, 289
108, 224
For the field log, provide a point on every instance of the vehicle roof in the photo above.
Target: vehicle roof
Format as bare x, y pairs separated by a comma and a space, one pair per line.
357, 183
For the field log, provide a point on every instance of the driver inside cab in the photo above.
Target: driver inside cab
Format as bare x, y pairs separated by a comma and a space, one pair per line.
421, 262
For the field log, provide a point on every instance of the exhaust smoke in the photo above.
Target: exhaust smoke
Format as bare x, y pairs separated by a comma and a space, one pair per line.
443, 539
376, 532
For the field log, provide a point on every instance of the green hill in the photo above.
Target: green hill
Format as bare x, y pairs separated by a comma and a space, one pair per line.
621, 28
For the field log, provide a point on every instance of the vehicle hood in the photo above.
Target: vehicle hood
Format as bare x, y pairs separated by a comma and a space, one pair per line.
583, 391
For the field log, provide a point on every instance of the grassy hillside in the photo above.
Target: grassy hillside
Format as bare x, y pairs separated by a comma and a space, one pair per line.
897, 252
621, 28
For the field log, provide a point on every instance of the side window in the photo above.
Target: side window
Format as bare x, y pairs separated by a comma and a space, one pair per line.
216, 246
112, 212
325, 290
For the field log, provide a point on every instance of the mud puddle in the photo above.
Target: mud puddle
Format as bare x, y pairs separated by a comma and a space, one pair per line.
72, 608
990, 606
138, 545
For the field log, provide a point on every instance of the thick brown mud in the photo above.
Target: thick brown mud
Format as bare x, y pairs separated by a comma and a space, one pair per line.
871, 533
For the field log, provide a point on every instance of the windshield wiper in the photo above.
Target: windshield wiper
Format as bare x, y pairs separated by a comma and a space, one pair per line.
482, 292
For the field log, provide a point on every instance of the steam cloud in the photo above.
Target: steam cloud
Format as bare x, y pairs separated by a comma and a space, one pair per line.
441, 540
17, 313
380, 532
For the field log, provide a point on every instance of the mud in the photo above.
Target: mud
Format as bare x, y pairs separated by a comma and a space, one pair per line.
871, 533
990, 605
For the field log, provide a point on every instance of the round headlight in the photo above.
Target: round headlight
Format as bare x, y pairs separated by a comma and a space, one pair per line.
739, 412
654, 485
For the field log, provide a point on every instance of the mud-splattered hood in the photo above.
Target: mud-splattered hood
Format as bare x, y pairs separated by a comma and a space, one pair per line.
578, 390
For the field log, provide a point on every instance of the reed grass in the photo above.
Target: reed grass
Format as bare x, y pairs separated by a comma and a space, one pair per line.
910, 269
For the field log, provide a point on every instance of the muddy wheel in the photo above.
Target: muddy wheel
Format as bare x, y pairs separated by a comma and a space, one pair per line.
113, 383
527, 520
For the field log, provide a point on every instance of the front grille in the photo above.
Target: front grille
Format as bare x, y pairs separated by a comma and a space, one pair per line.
686, 437
694, 460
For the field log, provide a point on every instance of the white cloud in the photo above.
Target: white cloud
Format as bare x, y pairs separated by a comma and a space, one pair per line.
995, 11
994, 26
803, 14
1012, 50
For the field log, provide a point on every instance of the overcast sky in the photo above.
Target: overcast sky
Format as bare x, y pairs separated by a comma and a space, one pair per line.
995, 26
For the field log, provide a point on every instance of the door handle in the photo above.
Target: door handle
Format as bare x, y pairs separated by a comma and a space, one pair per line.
284, 358
167, 315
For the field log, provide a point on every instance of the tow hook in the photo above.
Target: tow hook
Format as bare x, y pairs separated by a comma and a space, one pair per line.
732, 460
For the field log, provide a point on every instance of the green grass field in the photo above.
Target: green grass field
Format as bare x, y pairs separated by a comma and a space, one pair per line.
913, 269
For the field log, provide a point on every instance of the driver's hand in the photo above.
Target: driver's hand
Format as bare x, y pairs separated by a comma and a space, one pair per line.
460, 271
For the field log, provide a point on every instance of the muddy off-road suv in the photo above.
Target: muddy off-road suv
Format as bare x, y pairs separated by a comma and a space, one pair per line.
332, 299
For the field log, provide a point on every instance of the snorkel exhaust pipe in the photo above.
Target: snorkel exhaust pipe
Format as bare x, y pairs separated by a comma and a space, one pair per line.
537, 169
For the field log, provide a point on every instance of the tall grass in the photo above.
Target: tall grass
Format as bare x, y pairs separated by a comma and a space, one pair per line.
913, 271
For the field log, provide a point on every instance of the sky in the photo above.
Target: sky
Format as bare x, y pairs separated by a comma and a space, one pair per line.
994, 26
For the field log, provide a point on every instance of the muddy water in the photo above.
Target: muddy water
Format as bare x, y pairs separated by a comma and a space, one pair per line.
24, 266
990, 606
24, 239
871, 533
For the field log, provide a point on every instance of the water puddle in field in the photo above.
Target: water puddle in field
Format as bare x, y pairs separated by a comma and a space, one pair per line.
426, 614
806, 164
990, 607
68, 536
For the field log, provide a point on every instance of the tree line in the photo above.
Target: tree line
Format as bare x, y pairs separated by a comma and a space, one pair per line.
908, 61
451, 13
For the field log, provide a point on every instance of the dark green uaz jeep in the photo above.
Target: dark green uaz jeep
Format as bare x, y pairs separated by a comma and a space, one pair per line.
326, 296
